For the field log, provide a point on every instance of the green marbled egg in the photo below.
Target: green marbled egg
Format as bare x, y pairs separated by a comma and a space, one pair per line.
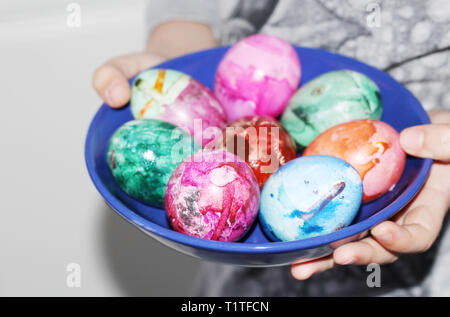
142, 155
330, 99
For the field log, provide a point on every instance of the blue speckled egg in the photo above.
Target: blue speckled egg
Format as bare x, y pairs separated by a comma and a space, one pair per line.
308, 197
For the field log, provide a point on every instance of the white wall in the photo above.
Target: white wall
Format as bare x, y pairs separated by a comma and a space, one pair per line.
50, 213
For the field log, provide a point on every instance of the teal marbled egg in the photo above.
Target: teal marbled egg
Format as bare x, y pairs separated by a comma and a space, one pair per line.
330, 99
142, 155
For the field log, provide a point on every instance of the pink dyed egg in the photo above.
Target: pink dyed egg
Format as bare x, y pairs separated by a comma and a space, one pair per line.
257, 76
372, 147
212, 195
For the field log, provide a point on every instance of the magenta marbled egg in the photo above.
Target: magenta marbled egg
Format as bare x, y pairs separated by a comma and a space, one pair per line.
257, 76
212, 195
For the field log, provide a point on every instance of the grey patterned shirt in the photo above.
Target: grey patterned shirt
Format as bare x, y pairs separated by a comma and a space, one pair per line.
409, 39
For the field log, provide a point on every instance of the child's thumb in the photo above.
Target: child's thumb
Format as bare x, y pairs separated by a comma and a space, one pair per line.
429, 140
111, 79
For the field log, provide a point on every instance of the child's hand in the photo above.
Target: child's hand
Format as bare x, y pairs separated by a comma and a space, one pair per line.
111, 79
416, 227
167, 40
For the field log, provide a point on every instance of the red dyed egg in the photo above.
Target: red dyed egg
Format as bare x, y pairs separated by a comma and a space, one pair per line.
261, 142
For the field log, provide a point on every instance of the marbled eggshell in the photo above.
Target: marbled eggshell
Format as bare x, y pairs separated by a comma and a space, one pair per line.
330, 99
212, 195
142, 154
371, 146
177, 98
257, 76
308, 197
262, 142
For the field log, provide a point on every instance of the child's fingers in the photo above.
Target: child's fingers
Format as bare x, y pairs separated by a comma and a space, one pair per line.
414, 231
303, 271
418, 228
111, 85
429, 140
363, 252
111, 79
407, 238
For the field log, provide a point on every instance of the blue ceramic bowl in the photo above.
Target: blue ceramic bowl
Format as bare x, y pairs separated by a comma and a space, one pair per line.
401, 110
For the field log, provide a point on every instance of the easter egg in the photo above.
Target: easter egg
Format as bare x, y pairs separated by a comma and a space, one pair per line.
142, 154
330, 99
370, 146
212, 195
308, 197
262, 142
177, 98
257, 75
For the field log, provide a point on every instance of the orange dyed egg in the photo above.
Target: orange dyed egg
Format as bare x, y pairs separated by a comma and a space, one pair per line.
372, 147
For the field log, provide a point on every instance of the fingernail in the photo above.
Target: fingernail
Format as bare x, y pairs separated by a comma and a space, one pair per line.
114, 93
347, 261
303, 275
412, 139
382, 233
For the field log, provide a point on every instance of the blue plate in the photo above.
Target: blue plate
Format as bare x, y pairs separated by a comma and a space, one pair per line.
401, 110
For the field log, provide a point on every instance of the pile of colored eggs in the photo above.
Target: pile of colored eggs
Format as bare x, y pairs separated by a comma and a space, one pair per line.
216, 161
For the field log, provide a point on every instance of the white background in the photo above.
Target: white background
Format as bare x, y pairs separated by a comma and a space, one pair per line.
50, 213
